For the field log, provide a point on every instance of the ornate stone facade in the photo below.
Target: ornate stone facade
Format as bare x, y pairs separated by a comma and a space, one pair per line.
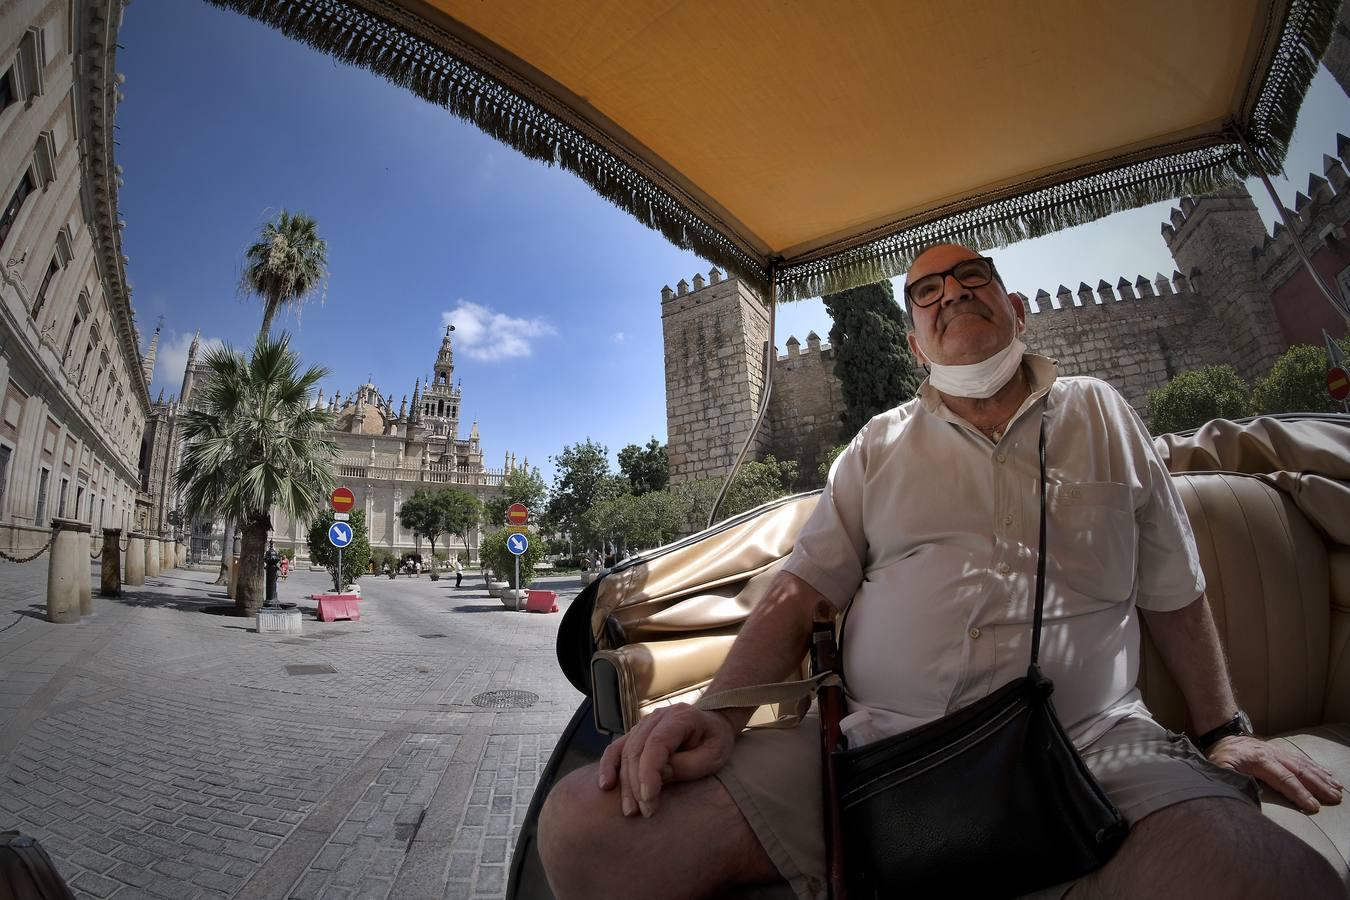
73, 394
1244, 300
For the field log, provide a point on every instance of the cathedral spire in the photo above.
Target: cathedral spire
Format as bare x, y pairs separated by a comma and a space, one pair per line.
417, 401
445, 360
148, 362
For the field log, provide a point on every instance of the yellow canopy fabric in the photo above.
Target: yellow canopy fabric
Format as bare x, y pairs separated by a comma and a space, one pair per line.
828, 139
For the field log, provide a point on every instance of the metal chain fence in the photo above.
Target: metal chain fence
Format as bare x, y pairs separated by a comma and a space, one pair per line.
98, 554
24, 559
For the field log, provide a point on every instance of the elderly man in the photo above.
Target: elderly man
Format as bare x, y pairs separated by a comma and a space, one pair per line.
927, 534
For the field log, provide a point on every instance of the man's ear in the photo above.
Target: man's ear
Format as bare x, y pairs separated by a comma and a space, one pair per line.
1019, 311
914, 348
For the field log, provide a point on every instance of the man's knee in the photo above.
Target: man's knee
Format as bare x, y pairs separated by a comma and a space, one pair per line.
572, 817
1183, 849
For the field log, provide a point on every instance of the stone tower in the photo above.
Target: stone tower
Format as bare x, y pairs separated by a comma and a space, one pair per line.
1212, 239
715, 339
441, 399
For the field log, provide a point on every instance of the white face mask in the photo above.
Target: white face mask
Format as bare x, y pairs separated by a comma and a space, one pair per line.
978, 380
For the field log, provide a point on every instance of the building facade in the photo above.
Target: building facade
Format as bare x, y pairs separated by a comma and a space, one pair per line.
1244, 299
73, 395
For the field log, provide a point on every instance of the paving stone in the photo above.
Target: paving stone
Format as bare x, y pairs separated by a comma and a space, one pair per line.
96, 885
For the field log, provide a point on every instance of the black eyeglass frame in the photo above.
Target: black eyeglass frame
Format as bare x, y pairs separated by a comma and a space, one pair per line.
993, 275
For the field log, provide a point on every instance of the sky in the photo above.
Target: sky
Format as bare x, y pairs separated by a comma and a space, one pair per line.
554, 292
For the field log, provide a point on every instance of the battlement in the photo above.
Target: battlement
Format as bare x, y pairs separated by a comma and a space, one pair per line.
1123, 296
795, 351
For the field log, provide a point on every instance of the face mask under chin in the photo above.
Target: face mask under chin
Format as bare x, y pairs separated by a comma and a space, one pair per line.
979, 380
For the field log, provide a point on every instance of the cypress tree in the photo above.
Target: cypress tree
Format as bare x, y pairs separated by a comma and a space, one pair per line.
871, 354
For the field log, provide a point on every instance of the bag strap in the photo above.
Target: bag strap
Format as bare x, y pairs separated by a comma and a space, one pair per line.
1040, 562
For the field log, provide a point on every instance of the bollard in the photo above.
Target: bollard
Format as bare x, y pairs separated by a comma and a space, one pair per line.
70, 542
135, 559
110, 581
151, 556
271, 563
83, 586
234, 577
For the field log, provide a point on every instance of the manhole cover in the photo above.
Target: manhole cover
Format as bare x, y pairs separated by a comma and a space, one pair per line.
319, 669
505, 699
432, 635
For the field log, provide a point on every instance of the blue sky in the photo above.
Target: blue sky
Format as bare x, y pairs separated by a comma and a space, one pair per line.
555, 292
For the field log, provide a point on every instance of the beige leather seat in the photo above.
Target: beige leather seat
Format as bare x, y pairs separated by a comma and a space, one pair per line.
1280, 593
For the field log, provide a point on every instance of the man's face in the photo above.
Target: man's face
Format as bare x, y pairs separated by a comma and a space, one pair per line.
965, 325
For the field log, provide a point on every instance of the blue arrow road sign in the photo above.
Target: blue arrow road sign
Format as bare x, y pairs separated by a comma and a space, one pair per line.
340, 534
517, 544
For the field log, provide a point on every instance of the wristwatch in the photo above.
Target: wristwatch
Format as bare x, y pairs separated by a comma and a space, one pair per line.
1240, 724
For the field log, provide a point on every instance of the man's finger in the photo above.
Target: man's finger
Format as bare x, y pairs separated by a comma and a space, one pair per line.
1289, 784
609, 764
1319, 781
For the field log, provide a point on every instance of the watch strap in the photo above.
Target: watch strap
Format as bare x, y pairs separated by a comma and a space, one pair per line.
1232, 728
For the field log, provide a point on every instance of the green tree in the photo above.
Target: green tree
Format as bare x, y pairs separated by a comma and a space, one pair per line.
871, 355
1193, 398
755, 484
631, 521
493, 552
355, 556
252, 443
646, 468
519, 486
424, 515
583, 480
287, 263
461, 511
1297, 382
823, 470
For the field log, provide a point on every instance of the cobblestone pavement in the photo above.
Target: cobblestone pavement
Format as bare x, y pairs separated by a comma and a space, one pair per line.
160, 750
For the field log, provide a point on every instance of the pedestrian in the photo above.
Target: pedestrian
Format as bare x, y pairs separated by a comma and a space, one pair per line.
285, 567
459, 572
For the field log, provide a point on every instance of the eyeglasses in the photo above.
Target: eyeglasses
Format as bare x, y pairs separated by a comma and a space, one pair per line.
971, 273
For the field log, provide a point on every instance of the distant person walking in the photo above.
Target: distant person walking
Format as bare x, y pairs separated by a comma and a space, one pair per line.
459, 572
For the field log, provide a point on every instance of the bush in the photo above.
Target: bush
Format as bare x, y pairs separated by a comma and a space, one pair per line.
463, 557
1193, 398
288, 552
493, 552
379, 557
355, 556
1297, 382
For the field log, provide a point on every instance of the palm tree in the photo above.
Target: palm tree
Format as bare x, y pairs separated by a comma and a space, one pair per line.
253, 443
283, 267
288, 262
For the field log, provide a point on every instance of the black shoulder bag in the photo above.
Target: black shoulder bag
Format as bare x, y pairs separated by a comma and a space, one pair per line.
992, 800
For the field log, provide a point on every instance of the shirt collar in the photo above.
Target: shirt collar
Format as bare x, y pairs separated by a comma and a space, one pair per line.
1042, 372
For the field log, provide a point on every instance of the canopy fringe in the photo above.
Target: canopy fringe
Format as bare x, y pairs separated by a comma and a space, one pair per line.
382, 36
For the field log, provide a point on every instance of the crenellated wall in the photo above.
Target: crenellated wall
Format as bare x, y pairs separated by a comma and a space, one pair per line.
805, 404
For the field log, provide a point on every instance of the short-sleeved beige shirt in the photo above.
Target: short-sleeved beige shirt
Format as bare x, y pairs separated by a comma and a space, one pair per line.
927, 534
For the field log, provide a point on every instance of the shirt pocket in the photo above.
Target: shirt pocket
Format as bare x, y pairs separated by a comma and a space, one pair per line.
1092, 542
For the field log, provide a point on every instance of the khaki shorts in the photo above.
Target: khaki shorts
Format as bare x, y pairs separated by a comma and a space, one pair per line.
774, 777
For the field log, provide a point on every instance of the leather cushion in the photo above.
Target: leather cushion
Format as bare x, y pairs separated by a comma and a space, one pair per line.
1328, 830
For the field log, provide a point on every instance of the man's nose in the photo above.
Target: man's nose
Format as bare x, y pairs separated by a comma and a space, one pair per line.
950, 296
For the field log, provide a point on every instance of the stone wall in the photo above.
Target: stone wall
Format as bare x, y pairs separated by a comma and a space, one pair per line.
1135, 336
714, 346
805, 405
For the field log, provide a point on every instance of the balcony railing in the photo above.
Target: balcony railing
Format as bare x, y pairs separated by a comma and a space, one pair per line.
434, 473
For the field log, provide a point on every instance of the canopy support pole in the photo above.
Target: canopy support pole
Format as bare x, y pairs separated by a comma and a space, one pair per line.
1255, 163
769, 360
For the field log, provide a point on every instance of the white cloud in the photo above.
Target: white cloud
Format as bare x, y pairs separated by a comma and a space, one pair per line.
618, 337
171, 360
490, 336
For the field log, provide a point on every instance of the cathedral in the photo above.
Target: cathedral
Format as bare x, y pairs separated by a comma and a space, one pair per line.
384, 455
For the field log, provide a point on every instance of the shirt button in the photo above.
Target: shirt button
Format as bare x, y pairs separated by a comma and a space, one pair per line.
1008, 519
974, 633
1003, 457
1004, 568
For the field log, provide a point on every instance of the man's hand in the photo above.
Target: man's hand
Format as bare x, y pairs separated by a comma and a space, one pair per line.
675, 743
1295, 776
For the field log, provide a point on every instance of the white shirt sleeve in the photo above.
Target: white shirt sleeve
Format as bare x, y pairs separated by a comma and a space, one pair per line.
831, 551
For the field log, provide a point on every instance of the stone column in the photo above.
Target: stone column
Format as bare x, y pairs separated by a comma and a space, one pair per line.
84, 583
151, 556
135, 559
110, 583
180, 555
69, 557
165, 554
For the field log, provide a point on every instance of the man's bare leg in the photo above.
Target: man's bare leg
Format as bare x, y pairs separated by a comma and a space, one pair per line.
1211, 847
697, 843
